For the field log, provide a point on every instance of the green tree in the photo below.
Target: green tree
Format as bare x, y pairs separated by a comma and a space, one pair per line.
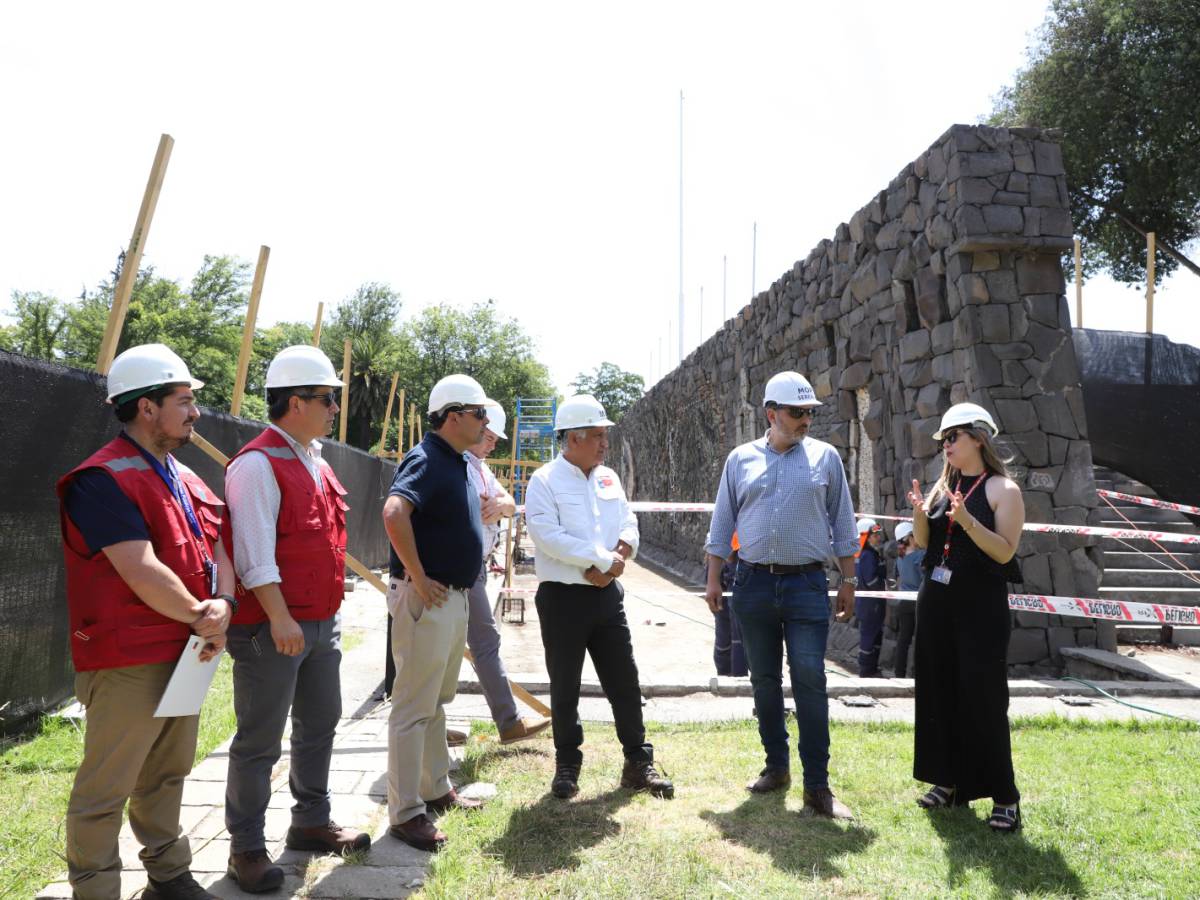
369, 319
615, 388
1120, 78
41, 321
477, 341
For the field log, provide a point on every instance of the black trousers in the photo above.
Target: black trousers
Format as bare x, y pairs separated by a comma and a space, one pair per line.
578, 619
906, 619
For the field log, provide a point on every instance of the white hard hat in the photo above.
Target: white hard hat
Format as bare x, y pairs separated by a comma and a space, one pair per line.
496, 420
969, 414
868, 525
457, 390
301, 366
580, 411
790, 389
147, 366
903, 530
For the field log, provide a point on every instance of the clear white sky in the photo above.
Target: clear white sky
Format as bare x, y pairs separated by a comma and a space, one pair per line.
524, 152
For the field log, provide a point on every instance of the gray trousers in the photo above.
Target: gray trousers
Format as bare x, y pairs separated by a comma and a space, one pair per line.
265, 685
483, 637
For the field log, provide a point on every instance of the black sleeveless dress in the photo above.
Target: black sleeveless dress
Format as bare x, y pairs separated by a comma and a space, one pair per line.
961, 662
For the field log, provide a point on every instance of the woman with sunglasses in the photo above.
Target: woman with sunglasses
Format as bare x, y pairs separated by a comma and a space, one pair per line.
970, 524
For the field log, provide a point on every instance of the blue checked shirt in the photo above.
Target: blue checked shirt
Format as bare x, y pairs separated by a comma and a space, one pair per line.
788, 508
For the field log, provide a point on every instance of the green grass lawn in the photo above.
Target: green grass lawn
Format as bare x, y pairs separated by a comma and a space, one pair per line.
36, 774
1111, 810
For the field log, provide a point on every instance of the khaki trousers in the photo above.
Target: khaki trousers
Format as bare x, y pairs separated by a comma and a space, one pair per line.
128, 755
428, 648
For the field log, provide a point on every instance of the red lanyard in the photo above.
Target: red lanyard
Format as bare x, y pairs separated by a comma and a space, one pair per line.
983, 476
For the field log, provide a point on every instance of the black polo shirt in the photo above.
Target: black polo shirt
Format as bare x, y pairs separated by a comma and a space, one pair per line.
446, 519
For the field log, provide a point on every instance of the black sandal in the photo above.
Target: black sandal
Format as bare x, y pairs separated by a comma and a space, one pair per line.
1005, 819
937, 797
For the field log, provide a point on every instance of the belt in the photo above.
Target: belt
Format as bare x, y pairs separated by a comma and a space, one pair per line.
777, 569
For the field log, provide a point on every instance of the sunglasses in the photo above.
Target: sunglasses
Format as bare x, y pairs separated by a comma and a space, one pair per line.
478, 412
328, 399
798, 412
953, 435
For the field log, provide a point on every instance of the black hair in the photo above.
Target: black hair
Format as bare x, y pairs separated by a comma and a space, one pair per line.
126, 411
278, 401
438, 419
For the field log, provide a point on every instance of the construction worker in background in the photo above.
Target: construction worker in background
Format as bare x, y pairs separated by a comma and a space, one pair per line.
584, 531
787, 498
288, 542
432, 517
912, 576
728, 653
483, 636
870, 611
145, 571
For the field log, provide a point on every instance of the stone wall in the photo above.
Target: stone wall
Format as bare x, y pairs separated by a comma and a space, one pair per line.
946, 287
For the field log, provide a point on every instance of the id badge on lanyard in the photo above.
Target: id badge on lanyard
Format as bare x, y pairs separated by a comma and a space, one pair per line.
942, 573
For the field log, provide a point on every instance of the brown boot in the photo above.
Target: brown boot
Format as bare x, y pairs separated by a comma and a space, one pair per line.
254, 872
822, 803
642, 776
769, 780
419, 832
522, 729
328, 838
451, 801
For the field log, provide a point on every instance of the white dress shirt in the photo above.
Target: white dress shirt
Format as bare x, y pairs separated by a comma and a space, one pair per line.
253, 498
483, 480
576, 520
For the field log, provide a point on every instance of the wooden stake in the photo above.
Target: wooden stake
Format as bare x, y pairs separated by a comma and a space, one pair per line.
400, 426
375, 581
345, 390
239, 384
133, 256
412, 424
1078, 283
1149, 282
387, 415
317, 324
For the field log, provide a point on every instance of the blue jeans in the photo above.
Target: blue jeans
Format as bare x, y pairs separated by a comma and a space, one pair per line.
775, 611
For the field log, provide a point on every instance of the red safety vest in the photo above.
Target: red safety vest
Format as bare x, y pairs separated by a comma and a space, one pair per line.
110, 626
310, 537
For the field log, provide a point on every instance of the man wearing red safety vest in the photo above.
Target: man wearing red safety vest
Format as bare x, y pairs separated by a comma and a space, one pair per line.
145, 571
288, 540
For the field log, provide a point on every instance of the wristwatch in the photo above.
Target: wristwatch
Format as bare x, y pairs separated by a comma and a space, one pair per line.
232, 601
850, 580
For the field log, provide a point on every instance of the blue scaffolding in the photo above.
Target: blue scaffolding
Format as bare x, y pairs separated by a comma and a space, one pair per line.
535, 439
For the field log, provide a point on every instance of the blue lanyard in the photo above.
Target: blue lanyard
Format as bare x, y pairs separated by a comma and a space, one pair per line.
170, 477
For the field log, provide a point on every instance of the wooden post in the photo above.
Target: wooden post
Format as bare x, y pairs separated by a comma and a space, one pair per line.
1078, 283
317, 324
387, 414
400, 426
345, 390
1149, 282
412, 424
133, 256
239, 384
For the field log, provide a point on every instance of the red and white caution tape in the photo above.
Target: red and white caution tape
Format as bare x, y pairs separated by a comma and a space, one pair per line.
1150, 501
1113, 610
1129, 534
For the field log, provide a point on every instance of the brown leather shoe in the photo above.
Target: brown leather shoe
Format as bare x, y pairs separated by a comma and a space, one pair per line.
770, 780
822, 803
450, 801
328, 838
419, 832
523, 729
455, 738
254, 872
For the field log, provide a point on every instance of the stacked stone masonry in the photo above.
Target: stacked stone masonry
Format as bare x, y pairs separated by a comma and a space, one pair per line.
946, 287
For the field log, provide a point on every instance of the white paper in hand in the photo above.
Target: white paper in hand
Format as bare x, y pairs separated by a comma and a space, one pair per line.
189, 682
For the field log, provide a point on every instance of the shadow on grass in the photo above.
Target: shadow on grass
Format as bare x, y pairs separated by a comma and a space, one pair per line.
468, 771
548, 836
796, 842
1015, 865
